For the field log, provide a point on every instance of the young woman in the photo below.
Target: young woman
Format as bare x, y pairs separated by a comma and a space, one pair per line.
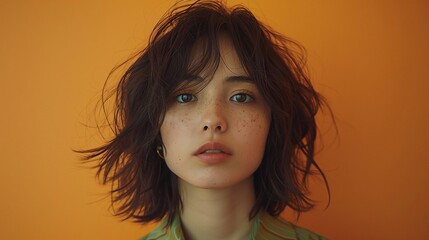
214, 129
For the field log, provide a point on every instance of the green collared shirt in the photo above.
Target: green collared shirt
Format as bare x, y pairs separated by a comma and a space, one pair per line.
265, 227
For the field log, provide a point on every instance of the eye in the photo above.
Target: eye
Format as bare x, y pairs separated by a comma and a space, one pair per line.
185, 98
241, 98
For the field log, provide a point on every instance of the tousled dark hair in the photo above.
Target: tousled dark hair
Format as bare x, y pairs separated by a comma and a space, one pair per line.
143, 188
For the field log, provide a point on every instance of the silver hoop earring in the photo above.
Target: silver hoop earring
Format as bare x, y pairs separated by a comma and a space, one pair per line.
160, 152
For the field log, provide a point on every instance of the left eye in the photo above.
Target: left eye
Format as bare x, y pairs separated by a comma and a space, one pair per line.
242, 98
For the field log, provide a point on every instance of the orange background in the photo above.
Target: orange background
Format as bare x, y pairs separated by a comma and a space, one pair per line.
369, 58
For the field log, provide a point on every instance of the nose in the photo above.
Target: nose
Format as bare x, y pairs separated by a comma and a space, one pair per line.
213, 119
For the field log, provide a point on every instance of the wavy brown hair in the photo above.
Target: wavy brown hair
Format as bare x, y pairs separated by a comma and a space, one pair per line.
143, 188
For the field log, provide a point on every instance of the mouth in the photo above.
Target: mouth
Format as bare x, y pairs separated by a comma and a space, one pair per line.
213, 148
212, 151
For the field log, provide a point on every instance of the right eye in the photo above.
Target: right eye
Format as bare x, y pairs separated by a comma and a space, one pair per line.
185, 98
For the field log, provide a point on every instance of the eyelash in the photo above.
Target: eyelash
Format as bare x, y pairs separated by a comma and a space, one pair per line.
248, 97
180, 100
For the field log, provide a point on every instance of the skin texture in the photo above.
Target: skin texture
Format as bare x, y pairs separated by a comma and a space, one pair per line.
217, 195
215, 114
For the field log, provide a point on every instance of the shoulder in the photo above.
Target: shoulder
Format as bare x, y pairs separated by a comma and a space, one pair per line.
267, 228
164, 231
159, 233
156, 234
278, 228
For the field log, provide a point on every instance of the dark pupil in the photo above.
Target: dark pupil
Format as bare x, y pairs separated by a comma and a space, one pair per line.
186, 97
241, 98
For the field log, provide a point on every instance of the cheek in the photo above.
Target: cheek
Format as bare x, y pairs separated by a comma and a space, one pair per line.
250, 138
252, 125
173, 122
175, 127
251, 134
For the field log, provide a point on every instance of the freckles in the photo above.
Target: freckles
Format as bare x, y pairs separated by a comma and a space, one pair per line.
186, 122
247, 122
186, 117
180, 121
254, 118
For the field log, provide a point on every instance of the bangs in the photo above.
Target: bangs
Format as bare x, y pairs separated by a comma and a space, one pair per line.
185, 47
202, 63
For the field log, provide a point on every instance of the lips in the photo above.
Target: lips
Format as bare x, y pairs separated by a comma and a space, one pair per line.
213, 148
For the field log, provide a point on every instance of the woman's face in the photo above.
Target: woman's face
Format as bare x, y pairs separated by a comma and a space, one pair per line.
215, 137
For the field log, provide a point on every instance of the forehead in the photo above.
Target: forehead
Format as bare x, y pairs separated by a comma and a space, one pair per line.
223, 56
208, 57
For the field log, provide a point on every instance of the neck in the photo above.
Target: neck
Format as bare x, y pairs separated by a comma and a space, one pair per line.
217, 213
